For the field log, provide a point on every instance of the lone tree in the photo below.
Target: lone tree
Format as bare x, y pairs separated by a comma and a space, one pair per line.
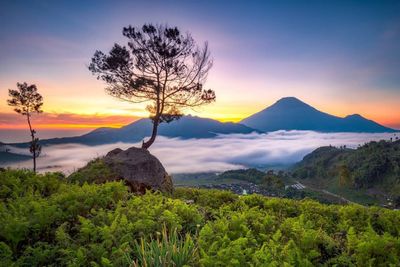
26, 100
161, 67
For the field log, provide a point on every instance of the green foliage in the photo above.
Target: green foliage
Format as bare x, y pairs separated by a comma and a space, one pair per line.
210, 198
168, 250
47, 221
375, 162
96, 171
258, 231
80, 225
320, 163
375, 165
19, 183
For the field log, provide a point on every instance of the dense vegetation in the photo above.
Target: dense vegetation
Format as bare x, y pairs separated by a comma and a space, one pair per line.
374, 166
248, 175
45, 220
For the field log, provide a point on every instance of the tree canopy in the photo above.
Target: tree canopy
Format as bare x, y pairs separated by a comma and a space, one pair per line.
26, 100
159, 66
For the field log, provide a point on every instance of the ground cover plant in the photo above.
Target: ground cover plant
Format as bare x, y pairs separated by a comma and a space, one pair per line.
47, 220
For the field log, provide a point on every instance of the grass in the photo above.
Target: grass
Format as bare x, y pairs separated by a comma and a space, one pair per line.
167, 249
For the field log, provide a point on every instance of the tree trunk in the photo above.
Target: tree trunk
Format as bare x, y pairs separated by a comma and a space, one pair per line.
149, 142
34, 161
32, 142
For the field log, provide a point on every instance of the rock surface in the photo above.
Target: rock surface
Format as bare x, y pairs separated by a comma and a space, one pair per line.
140, 169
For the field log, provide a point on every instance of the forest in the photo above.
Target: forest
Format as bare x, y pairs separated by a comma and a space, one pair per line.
50, 220
372, 168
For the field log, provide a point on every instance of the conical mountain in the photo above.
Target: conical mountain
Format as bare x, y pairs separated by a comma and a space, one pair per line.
290, 113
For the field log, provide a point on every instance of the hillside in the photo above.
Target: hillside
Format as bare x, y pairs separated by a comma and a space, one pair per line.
289, 113
47, 221
373, 168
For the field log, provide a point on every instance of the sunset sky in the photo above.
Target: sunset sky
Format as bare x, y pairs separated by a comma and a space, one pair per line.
342, 57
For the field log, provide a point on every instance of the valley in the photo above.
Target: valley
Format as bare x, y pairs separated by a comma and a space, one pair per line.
320, 176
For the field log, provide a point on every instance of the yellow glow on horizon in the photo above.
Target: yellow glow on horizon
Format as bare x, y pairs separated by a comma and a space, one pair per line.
229, 119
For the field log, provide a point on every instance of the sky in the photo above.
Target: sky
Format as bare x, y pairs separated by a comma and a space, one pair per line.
342, 57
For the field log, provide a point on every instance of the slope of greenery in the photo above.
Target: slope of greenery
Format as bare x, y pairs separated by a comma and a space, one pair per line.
372, 169
48, 221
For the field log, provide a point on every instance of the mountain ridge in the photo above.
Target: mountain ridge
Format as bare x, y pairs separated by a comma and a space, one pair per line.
186, 127
290, 113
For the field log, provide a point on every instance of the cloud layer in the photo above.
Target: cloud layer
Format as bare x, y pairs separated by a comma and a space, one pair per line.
210, 155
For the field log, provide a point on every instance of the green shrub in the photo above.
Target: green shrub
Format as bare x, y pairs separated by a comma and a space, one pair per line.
48, 221
19, 183
211, 198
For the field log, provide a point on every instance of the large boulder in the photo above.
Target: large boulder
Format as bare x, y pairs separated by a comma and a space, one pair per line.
136, 166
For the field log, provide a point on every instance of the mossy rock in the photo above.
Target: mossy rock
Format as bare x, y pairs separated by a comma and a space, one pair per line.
96, 171
137, 167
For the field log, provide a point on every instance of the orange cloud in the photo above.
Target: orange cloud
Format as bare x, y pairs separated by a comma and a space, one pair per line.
64, 121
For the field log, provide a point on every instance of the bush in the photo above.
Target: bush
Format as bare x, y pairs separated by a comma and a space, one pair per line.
48, 221
19, 183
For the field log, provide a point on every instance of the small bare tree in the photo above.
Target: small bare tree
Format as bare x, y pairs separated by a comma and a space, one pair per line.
161, 67
26, 100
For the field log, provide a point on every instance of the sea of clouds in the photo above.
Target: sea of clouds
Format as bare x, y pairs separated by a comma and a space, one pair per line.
221, 153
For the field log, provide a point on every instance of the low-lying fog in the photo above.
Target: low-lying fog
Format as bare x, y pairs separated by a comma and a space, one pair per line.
210, 155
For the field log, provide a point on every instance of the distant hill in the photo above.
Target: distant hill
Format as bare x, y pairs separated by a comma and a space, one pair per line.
373, 169
185, 128
290, 113
8, 157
